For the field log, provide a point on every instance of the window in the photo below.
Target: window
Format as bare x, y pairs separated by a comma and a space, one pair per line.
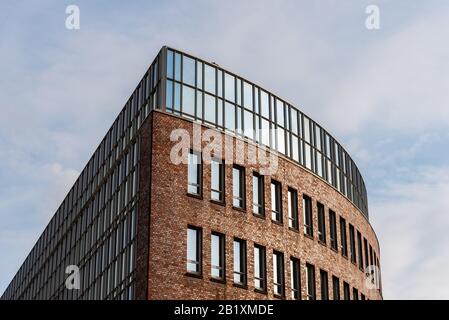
229, 87
248, 96
188, 70
343, 238
324, 285
194, 173
346, 292
209, 108
188, 100
240, 262
336, 288
295, 279
217, 262
276, 201
360, 250
194, 250
307, 215
370, 255
293, 209
278, 273
310, 275
238, 187
355, 294
217, 180
362, 296
229, 116
258, 194
352, 243
209, 78
259, 268
333, 230
170, 64
321, 223
365, 247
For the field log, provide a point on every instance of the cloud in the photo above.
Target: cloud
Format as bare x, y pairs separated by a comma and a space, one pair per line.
411, 219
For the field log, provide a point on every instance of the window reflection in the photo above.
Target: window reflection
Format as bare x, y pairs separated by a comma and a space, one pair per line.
188, 100
188, 71
209, 79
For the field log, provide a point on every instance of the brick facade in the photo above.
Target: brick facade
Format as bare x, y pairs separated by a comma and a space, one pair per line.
165, 211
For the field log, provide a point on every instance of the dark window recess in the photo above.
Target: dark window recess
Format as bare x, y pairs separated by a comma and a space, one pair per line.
321, 223
307, 215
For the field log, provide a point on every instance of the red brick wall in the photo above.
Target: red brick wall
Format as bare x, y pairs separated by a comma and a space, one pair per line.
172, 210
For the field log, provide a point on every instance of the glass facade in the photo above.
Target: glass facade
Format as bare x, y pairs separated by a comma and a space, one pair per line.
94, 228
208, 94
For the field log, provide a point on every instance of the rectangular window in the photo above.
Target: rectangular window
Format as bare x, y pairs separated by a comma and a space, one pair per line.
188, 71
307, 215
276, 201
310, 276
352, 243
333, 230
260, 273
278, 273
248, 96
229, 87
194, 173
336, 288
209, 108
230, 116
293, 209
360, 250
362, 296
365, 247
346, 292
240, 262
217, 180
321, 223
217, 262
295, 279
355, 294
324, 285
188, 100
238, 187
209, 78
194, 245
258, 194
343, 237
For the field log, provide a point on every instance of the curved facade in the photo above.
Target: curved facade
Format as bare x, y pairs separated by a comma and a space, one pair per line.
140, 225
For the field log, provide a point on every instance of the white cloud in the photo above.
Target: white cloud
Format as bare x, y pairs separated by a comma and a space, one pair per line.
411, 221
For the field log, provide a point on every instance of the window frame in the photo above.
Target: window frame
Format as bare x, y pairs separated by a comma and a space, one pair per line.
293, 215
276, 210
324, 285
262, 268
343, 237
221, 181
321, 223
295, 278
221, 256
310, 282
243, 262
242, 187
279, 275
307, 215
199, 173
260, 194
198, 248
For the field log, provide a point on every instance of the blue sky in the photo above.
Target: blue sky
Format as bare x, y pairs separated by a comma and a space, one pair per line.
384, 94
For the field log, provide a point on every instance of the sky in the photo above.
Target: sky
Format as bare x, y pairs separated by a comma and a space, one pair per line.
383, 93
